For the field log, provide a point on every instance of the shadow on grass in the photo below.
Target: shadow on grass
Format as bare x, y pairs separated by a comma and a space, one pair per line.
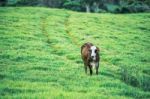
107, 73
2, 76
11, 91
40, 68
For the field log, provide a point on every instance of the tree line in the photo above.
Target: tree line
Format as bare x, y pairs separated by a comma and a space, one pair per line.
97, 6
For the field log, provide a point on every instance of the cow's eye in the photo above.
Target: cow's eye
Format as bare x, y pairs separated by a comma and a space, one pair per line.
95, 51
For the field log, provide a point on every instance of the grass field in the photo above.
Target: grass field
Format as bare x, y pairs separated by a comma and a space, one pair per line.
40, 54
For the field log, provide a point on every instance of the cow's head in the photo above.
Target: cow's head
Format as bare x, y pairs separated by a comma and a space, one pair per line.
93, 52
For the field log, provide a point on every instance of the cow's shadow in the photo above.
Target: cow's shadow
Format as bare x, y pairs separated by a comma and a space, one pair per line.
107, 73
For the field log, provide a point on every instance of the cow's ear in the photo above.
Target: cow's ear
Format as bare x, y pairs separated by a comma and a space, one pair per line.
97, 49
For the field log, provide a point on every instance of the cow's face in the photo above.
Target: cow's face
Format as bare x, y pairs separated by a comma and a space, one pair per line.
93, 52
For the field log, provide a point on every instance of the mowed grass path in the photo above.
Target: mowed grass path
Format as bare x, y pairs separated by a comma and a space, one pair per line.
40, 54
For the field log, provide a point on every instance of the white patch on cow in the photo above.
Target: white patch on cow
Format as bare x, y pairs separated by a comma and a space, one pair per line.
94, 64
93, 54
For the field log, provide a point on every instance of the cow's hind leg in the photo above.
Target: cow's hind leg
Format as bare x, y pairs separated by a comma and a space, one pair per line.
97, 66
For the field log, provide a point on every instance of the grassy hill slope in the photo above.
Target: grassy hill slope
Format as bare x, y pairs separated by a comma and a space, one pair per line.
40, 54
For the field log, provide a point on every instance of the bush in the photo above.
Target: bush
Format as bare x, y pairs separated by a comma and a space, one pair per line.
101, 11
134, 7
73, 5
27, 2
22, 2
112, 8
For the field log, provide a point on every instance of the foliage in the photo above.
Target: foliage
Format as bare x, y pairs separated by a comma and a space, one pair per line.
114, 6
27, 2
134, 7
72, 4
3, 2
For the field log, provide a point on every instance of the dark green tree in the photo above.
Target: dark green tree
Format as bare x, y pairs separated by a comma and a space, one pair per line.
3, 2
72, 4
53, 3
87, 4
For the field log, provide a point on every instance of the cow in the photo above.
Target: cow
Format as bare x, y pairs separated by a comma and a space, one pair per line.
90, 57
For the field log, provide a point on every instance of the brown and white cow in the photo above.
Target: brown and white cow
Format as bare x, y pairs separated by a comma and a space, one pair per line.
90, 57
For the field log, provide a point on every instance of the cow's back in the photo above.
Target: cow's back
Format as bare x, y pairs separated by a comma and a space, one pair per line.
85, 50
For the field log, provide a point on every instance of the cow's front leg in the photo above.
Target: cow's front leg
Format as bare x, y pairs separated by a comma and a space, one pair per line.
85, 66
90, 67
97, 66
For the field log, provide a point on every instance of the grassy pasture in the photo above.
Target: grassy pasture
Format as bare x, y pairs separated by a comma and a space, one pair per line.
40, 54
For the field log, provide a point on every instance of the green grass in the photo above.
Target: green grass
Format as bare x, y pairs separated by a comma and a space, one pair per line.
40, 54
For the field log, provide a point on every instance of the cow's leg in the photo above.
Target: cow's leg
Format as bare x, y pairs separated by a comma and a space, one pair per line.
97, 66
85, 67
90, 67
